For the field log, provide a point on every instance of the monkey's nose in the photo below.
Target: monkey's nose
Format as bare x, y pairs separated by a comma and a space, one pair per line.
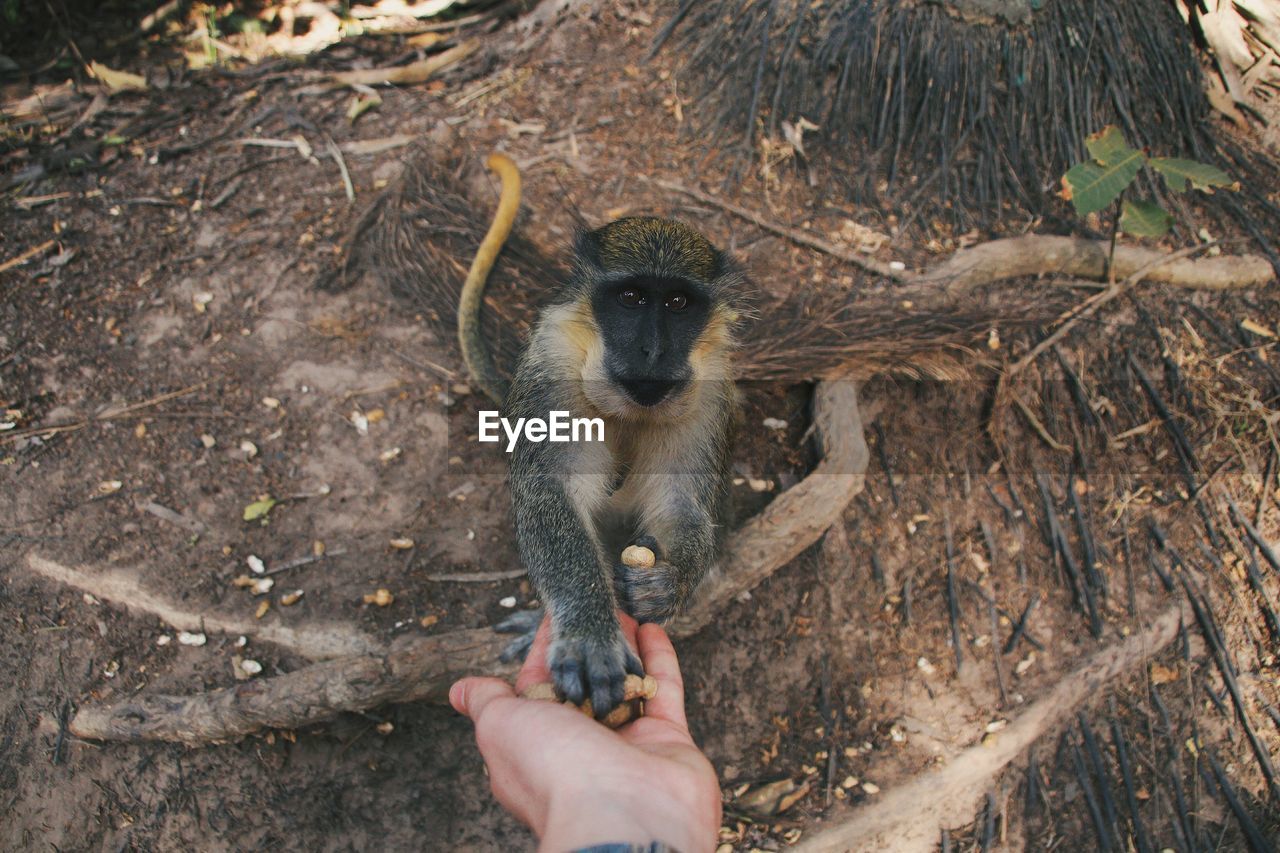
649, 392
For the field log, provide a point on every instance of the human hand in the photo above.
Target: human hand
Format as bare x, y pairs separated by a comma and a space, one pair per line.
576, 783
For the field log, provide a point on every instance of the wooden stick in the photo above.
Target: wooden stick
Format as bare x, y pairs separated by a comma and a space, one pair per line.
18, 260
1091, 305
795, 235
112, 414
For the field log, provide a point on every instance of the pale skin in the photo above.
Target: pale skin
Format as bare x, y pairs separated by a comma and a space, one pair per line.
576, 783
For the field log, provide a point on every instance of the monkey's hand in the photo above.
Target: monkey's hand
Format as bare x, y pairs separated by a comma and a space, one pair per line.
585, 667
651, 594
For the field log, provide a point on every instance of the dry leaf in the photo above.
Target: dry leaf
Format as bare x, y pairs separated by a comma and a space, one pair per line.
767, 799
377, 146
360, 105
1257, 329
414, 72
117, 81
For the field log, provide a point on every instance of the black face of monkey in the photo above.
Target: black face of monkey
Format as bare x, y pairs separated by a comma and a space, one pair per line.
650, 324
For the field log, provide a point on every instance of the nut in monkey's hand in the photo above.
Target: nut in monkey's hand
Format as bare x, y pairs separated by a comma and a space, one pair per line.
635, 691
638, 557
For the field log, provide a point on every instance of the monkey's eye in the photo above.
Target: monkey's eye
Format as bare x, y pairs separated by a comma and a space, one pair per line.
677, 302
632, 298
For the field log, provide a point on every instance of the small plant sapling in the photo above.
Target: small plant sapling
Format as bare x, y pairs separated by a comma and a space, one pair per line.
1103, 180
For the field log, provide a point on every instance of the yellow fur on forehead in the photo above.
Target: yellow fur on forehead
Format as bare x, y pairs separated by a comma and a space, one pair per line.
656, 246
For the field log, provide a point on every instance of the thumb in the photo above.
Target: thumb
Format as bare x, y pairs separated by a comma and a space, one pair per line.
470, 696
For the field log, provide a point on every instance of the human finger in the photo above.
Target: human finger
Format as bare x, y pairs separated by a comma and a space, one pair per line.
470, 696
660, 661
535, 669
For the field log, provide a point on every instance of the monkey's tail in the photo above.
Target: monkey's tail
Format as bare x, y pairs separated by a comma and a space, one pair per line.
475, 352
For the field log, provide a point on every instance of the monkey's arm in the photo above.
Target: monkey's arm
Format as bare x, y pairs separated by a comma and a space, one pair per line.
589, 657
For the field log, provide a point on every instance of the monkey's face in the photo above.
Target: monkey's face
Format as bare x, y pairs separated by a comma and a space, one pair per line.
649, 326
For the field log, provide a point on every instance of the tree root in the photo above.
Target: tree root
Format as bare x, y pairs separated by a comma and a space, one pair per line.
1032, 254
411, 669
798, 517
415, 668
1037, 254
314, 642
911, 816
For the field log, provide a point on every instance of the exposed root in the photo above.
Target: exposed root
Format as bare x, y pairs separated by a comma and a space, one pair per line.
1042, 255
424, 667
799, 516
911, 816
418, 668
314, 642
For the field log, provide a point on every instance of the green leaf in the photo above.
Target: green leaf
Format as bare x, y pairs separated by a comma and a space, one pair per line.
1090, 186
1180, 173
259, 509
1144, 219
1096, 183
1108, 147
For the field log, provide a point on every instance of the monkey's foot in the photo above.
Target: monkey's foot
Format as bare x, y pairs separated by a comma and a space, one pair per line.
588, 668
525, 623
649, 594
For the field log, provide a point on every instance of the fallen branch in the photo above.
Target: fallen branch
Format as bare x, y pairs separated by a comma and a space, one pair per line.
415, 668
912, 816
1090, 306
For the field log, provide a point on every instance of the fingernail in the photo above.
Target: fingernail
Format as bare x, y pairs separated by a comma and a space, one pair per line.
455, 697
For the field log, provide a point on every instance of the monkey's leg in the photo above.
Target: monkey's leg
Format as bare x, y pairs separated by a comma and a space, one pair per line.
589, 656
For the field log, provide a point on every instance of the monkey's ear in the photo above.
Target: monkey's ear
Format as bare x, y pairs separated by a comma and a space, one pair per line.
722, 265
586, 247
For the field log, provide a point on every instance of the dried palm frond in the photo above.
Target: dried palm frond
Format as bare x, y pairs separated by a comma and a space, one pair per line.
419, 237
964, 110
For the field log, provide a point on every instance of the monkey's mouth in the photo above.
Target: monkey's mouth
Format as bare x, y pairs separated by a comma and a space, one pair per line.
650, 392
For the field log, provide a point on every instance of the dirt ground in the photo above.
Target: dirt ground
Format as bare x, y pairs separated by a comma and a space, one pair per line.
176, 310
